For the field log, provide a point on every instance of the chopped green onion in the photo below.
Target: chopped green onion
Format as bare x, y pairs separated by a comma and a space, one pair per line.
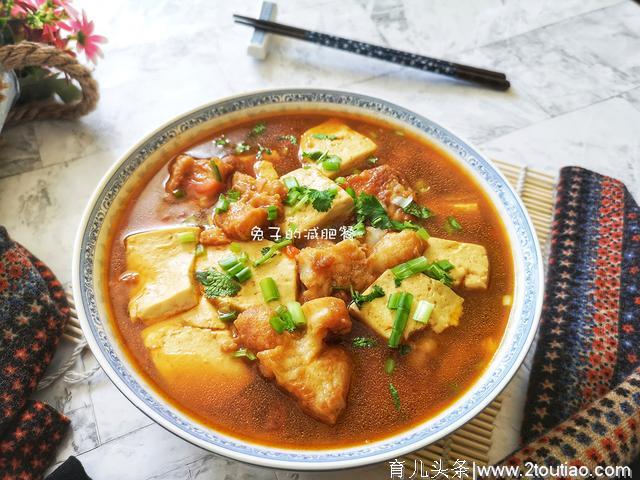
324, 136
233, 195
229, 316
277, 323
395, 396
235, 247
222, 204
453, 225
297, 315
400, 320
228, 262
394, 300
186, 237
215, 170
178, 193
272, 251
291, 182
351, 192
199, 250
372, 160
423, 234
446, 265
340, 180
407, 269
402, 202
332, 164
272, 213
269, 289
423, 311
244, 274
235, 267
243, 352
389, 365
437, 272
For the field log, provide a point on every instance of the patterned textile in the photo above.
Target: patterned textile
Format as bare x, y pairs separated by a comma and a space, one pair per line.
30, 442
33, 312
583, 402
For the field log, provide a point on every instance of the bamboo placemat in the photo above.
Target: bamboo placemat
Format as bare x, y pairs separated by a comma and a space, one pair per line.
472, 442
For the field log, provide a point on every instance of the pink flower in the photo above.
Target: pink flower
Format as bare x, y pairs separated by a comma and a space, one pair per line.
22, 8
86, 40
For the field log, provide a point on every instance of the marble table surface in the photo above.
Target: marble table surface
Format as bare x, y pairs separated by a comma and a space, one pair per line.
575, 70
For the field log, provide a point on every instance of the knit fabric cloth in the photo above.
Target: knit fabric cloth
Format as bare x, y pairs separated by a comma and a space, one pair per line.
583, 403
33, 313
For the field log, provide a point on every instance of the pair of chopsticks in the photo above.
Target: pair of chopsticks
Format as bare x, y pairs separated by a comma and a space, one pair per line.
481, 76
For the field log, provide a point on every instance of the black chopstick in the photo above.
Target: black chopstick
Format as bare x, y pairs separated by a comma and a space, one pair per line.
496, 80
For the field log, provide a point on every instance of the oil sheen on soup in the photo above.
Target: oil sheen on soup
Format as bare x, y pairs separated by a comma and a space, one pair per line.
310, 280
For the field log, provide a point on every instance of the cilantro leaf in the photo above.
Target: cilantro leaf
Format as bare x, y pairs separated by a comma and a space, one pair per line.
262, 151
217, 284
290, 138
242, 147
321, 200
258, 129
359, 298
370, 211
363, 342
417, 210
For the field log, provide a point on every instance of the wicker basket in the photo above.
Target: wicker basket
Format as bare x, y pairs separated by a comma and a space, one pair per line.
31, 54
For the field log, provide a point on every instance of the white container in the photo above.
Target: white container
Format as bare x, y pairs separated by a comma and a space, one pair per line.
8, 93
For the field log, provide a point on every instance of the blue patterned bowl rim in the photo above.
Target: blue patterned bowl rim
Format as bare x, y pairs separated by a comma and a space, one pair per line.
524, 243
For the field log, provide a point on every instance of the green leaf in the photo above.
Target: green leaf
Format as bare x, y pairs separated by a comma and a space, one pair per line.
217, 284
417, 210
289, 138
242, 147
359, 299
324, 136
363, 342
258, 129
320, 200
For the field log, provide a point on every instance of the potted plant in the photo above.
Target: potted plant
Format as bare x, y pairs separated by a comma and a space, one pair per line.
40, 75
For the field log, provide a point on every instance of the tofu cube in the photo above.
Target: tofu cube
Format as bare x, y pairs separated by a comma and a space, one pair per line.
308, 217
282, 269
471, 263
336, 138
376, 314
203, 315
163, 262
185, 355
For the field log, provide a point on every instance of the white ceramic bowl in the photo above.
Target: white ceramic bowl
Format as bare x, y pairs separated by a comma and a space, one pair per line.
91, 260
